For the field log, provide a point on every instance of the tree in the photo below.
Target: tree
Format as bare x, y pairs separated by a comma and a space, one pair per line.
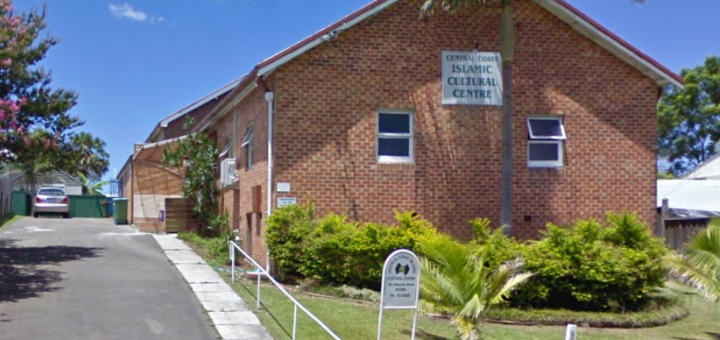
689, 118
198, 155
90, 187
88, 156
32, 114
458, 280
37, 157
507, 50
700, 266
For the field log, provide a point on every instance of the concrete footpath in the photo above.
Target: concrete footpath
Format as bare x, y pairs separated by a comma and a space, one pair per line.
230, 315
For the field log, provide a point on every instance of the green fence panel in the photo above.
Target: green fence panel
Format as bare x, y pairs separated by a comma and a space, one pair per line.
88, 206
21, 203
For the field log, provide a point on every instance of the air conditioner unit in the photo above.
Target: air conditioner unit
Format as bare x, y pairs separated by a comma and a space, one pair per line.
228, 174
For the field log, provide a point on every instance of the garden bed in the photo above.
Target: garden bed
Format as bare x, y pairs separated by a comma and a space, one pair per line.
508, 324
665, 309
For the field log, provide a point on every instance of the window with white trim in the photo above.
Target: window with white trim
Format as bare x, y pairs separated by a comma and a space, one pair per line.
546, 136
395, 137
248, 144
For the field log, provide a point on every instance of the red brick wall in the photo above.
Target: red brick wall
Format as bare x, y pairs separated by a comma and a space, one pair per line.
251, 110
327, 101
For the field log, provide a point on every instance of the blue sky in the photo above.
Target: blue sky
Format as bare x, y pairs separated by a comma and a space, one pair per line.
136, 61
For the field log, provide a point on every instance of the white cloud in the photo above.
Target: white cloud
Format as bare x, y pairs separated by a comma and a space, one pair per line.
127, 11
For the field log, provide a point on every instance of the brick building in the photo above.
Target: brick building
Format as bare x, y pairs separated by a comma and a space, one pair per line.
366, 117
146, 182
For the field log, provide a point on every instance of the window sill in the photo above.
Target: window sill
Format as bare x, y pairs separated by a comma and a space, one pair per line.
546, 166
394, 160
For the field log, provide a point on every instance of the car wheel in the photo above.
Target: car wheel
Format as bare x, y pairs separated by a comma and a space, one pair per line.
35, 215
66, 215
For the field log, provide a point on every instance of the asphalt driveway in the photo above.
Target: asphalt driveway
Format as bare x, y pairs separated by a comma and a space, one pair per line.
89, 279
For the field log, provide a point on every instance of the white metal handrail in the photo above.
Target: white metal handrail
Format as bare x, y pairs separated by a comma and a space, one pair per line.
263, 271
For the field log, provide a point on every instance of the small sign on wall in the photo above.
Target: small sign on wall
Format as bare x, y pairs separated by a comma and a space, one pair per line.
285, 201
471, 78
283, 187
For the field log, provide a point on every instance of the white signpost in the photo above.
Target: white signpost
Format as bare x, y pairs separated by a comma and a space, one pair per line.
571, 332
400, 285
471, 78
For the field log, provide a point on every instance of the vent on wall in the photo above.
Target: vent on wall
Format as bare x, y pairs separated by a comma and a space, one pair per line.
228, 174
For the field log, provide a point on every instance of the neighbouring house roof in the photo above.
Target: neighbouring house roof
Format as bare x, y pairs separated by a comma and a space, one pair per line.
709, 169
689, 199
560, 8
52, 177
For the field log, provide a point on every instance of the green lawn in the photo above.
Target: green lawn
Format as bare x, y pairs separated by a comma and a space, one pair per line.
359, 321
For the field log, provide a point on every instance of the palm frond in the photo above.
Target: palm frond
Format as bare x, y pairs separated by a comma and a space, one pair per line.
456, 279
700, 266
699, 277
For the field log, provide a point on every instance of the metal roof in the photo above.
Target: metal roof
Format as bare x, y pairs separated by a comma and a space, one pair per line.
689, 198
560, 8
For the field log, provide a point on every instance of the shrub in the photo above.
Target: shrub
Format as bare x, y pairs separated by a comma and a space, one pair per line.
333, 250
497, 247
325, 250
590, 267
287, 230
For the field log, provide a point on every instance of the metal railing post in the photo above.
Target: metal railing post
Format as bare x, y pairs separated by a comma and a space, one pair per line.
258, 290
232, 260
294, 322
298, 305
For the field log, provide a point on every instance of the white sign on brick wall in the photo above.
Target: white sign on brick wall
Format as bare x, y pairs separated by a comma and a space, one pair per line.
471, 78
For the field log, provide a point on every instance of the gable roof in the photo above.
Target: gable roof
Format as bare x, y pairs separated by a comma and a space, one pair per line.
51, 177
560, 8
202, 101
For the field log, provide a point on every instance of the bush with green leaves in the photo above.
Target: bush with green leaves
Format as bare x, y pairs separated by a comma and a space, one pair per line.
337, 251
197, 155
287, 230
588, 266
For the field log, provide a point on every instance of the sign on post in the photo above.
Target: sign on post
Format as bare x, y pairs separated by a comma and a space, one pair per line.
571, 332
400, 285
471, 78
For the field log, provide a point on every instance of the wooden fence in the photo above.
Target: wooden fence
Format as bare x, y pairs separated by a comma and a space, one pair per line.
678, 232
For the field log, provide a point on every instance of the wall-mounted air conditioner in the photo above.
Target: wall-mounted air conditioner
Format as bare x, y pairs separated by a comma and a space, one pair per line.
228, 174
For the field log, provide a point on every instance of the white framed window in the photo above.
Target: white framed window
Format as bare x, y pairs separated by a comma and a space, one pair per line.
546, 138
248, 144
394, 137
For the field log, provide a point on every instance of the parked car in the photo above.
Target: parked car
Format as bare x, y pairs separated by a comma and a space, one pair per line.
51, 200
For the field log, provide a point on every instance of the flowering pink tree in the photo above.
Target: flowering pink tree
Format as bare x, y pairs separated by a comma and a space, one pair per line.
34, 119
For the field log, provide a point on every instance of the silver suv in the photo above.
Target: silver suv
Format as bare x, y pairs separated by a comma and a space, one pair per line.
51, 200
